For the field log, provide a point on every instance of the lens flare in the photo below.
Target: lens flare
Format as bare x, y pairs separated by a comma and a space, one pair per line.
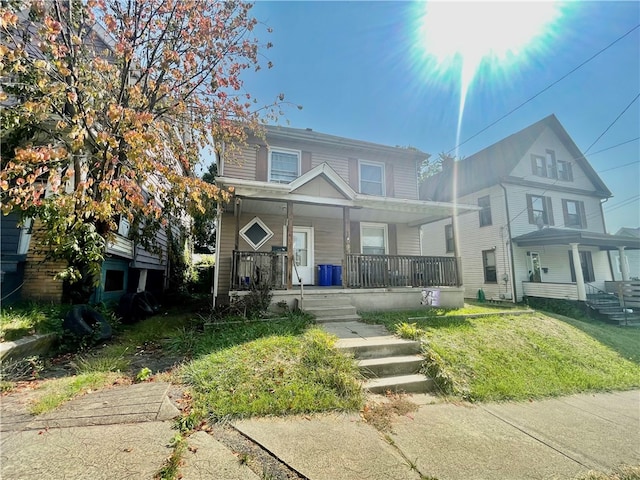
459, 37
462, 36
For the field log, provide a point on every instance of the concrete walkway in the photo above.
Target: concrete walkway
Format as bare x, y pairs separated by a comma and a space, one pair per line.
559, 438
125, 433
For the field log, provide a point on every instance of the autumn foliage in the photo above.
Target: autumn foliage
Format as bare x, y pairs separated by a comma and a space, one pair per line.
108, 106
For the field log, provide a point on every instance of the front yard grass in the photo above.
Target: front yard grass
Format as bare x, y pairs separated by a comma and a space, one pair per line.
509, 357
287, 372
236, 368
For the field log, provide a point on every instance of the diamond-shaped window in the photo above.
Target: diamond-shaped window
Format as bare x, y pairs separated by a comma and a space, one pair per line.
256, 233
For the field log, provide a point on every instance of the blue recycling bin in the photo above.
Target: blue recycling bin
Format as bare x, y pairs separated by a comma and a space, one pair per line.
336, 275
325, 275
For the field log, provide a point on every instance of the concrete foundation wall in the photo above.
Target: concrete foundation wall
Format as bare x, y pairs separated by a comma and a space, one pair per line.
376, 299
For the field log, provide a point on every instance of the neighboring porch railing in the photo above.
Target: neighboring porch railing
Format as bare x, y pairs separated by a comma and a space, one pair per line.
373, 271
627, 291
250, 269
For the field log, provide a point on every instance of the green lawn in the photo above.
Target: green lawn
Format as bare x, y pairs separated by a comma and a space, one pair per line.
293, 370
509, 357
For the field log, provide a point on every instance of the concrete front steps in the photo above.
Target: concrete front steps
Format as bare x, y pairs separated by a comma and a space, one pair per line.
330, 308
389, 363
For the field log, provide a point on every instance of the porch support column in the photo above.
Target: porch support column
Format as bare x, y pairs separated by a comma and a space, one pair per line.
346, 222
577, 267
624, 268
237, 205
289, 245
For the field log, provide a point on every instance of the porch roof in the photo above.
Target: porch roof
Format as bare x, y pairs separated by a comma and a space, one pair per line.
270, 198
557, 236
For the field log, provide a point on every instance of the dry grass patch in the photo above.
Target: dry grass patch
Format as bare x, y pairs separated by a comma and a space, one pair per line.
381, 414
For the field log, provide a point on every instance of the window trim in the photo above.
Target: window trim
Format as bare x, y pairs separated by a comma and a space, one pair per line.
483, 212
551, 163
484, 265
539, 170
568, 170
449, 228
251, 223
385, 228
547, 209
580, 213
290, 151
370, 163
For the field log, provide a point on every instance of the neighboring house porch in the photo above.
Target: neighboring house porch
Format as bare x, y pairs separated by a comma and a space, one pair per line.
587, 271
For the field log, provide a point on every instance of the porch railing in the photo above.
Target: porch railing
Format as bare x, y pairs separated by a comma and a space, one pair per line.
373, 271
251, 269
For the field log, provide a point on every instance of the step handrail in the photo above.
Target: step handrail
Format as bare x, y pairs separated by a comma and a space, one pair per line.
592, 290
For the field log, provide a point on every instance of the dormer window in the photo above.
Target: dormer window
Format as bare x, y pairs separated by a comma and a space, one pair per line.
284, 165
549, 167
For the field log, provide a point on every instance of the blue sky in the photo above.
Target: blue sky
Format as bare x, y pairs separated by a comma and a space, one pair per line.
360, 71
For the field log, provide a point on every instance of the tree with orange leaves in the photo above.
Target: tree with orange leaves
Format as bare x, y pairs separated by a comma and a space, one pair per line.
107, 108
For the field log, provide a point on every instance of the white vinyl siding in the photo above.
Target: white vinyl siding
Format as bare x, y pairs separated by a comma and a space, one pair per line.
549, 141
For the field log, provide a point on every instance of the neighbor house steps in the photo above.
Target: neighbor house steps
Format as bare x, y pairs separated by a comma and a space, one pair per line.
608, 305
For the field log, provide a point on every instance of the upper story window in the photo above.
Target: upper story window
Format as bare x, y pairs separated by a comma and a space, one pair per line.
574, 214
538, 165
549, 167
371, 178
284, 165
552, 171
374, 238
448, 238
485, 214
539, 209
564, 171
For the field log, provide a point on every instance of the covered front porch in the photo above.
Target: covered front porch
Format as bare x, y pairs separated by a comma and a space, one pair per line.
288, 236
584, 272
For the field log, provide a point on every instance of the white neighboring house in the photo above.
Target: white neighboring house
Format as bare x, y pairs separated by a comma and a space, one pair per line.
540, 231
632, 262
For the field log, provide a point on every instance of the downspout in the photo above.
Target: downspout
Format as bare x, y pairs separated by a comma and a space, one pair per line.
604, 226
513, 268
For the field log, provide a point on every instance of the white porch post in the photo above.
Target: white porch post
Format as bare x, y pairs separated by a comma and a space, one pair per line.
624, 268
577, 267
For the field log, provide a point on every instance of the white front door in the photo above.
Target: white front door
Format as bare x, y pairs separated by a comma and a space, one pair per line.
303, 254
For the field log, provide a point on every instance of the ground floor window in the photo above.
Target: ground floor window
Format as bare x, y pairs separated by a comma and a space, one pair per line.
587, 266
373, 237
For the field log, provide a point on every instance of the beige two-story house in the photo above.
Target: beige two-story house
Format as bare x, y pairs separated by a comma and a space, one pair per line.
328, 214
540, 230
